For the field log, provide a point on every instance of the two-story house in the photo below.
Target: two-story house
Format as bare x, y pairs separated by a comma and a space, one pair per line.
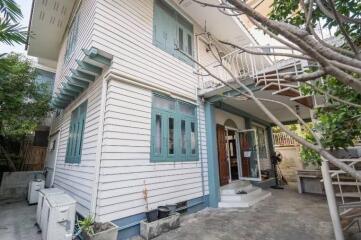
132, 113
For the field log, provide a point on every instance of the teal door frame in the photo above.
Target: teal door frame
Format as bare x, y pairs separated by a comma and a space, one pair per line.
212, 153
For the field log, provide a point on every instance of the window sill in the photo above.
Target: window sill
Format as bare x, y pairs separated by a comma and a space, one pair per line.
173, 161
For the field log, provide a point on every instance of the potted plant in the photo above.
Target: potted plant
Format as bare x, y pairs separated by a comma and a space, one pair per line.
91, 230
151, 215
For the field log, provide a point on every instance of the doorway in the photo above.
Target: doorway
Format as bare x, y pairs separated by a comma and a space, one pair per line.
228, 154
249, 155
232, 153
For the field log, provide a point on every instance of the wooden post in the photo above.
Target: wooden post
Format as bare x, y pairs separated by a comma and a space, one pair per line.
331, 200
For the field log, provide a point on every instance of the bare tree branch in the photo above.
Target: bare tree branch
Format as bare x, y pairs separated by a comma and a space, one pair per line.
336, 49
305, 76
310, 47
329, 14
342, 29
319, 90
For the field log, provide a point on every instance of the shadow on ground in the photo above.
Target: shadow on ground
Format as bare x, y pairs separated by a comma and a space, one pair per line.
286, 215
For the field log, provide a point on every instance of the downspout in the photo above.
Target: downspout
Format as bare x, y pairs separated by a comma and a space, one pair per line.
99, 148
55, 157
200, 130
200, 145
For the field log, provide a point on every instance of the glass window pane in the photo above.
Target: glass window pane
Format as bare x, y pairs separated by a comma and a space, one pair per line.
193, 138
180, 38
163, 103
158, 133
190, 50
183, 137
186, 108
171, 136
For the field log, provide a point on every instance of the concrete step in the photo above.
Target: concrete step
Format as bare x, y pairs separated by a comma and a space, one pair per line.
251, 191
245, 203
236, 186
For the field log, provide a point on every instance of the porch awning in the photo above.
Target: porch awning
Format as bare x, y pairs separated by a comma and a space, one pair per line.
88, 69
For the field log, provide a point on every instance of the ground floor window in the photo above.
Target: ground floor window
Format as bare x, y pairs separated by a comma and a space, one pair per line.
173, 130
76, 132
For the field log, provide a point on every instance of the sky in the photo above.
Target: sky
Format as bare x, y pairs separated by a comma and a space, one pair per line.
25, 6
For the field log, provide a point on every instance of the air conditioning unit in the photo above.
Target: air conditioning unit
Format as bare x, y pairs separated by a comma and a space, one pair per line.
43, 194
58, 217
33, 190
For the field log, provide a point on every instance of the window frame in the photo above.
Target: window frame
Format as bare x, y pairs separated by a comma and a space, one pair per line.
258, 128
178, 116
75, 141
72, 38
180, 22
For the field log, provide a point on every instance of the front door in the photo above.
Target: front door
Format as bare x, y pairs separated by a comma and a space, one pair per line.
222, 155
249, 155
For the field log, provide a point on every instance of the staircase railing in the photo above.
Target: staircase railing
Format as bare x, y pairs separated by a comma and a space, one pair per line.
347, 194
344, 182
263, 69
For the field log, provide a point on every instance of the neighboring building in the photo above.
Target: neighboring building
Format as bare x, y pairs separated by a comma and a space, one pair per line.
133, 115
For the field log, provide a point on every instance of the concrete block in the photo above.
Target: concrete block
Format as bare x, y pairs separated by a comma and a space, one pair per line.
15, 184
109, 234
150, 230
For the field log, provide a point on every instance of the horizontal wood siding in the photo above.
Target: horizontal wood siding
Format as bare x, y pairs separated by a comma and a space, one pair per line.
78, 179
125, 29
125, 163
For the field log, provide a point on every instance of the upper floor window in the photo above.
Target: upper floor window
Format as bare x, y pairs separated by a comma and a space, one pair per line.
76, 132
171, 30
72, 38
173, 130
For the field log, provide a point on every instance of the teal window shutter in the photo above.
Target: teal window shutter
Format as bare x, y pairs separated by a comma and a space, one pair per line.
171, 30
72, 38
164, 27
173, 130
76, 133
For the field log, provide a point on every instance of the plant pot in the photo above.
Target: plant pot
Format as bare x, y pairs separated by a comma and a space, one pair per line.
163, 212
103, 231
152, 215
172, 208
150, 230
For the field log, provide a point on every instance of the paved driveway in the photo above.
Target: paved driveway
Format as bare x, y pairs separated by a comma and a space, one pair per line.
286, 215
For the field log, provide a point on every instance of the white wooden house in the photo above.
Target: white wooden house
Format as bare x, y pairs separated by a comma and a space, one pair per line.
131, 114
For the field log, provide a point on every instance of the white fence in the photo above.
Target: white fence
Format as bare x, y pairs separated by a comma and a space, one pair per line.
282, 139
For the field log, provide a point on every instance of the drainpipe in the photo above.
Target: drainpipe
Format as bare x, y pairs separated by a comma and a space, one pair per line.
331, 200
99, 148
200, 144
55, 157
199, 125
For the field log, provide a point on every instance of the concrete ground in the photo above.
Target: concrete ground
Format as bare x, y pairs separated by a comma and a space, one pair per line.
286, 215
17, 220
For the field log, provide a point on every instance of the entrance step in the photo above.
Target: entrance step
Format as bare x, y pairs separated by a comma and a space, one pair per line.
235, 187
245, 203
230, 198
